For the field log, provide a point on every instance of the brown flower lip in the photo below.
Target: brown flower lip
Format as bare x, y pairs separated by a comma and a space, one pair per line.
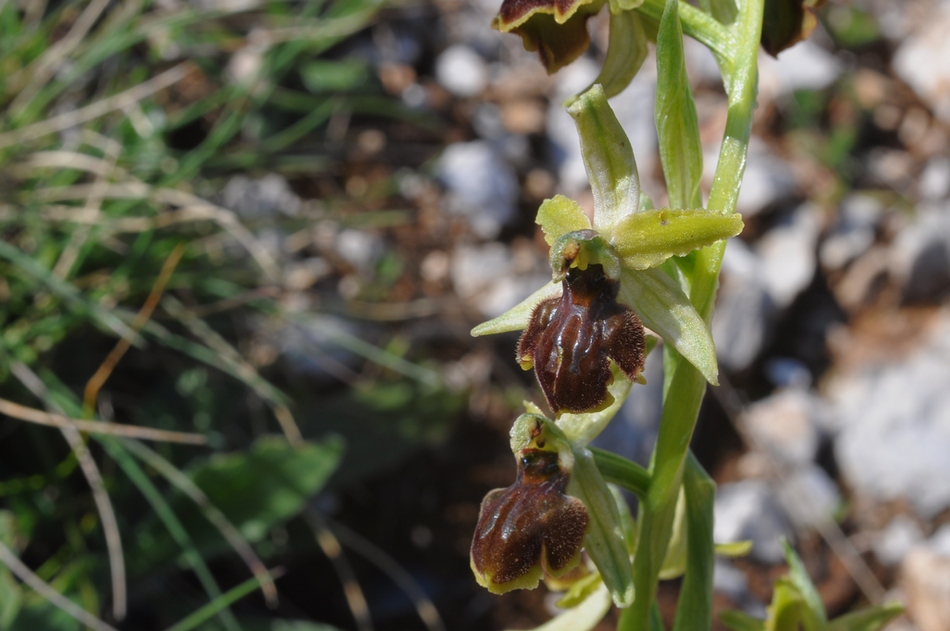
556, 29
571, 338
530, 528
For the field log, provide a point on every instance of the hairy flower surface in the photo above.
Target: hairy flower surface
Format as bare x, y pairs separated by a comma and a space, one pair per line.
571, 338
529, 528
556, 29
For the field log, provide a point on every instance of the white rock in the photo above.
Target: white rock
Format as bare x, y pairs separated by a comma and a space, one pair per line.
804, 66
853, 232
748, 510
894, 423
940, 541
265, 197
788, 253
934, 182
482, 276
359, 248
893, 543
925, 581
784, 425
809, 496
744, 310
461, 71
480, 186
767, 178
923, 61
920, 255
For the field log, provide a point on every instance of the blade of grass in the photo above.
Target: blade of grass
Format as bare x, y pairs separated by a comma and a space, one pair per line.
211, 512
334, 551
93, 111
21, 571
224, 600
66, 291
110, 526
32, 415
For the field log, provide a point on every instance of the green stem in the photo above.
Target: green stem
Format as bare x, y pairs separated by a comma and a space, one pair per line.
699, 25
624, 473
686, 386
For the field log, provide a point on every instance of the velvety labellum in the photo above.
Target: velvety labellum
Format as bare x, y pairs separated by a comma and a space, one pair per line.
571, 338
530, 528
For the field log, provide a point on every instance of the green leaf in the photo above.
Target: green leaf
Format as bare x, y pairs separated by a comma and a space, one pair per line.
662, 305
269, 484
674, 563
785, 612
604, 541
648, 238
676, 121
608, 158
583, 617
624, 473
870, 619
814, 616
734, 549
517, 318
558, 216
694, 610
626, 49
738, 621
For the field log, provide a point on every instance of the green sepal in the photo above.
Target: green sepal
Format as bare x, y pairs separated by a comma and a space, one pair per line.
584, 617
785, 610
580, 590
664, 308
648, 238
582, 428
626, 49
608, 158
604, 541
517, 318
560, 215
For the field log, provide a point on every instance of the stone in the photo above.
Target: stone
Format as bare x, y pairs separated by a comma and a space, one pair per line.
804, 66
892, 419
482, 276
748, 510
359, 248
925, 581
853, 231
461, 71
256, 199
788, 254
480, 186
809, 496
923, 61
892, 544
744, 310
934, 183
784, 425
920, 255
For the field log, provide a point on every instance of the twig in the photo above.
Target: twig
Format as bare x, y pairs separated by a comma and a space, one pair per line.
95, 110
24, 573
105, 369
32, 415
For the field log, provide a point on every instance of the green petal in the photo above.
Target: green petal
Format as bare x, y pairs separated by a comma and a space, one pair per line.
664, 308
608, 158
516, 318
648, 238
560, 215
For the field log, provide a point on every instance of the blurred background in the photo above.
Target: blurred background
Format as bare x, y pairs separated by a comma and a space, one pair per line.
296, 211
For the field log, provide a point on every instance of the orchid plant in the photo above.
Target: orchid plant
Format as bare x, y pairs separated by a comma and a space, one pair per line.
622, 280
